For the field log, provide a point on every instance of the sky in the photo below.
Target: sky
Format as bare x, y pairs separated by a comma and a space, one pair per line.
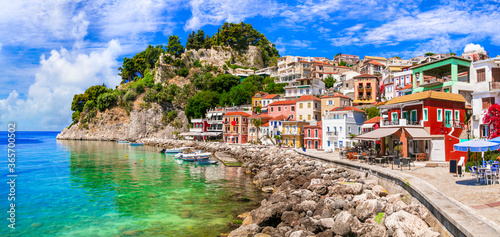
53, 49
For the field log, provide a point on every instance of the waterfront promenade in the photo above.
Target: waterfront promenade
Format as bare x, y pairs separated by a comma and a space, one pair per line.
472, 209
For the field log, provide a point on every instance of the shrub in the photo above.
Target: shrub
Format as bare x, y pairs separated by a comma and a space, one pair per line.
139, 87
75, 116
197, 63
106, 100
90, 104
158, 86
150, 96
183, 72
169, 116
130, 95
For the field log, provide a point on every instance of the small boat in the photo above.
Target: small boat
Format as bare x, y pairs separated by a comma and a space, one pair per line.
136, 144
195, 156
206, 162
174, 151
123, 142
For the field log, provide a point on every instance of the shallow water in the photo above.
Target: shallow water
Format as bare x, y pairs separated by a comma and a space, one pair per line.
84, 188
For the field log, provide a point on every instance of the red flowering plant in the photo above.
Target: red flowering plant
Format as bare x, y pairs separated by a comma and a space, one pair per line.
492, 118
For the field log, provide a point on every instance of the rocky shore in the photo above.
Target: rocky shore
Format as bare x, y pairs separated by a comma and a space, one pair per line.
314, 198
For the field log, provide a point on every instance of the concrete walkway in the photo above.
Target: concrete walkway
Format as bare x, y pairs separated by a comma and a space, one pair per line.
454, 201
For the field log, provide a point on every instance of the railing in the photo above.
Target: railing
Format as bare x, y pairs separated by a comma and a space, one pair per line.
455, 124
360, 86
392, 122
331, 133
494, 85
413, 122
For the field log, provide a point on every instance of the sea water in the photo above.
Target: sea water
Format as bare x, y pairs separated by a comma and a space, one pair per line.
92, 188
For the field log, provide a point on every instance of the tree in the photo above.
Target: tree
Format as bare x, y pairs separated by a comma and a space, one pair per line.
257, 123
198, 105
329, 82
397, 57
429, 54
223, 83
174, 46
343, 63
196, 40
138, 65
372, 112
492, 118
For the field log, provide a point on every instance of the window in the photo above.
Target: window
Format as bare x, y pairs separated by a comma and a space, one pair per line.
495, 74
457, 115
331, 102
301, 106
349, 129
293, 108
315, 105
244, 119
425, 114
308, 117
485, 130
316, 117
286, 107
340, 129
244, 129
394, 116
439, 115
448, 117
300, 117
279, 108
481, 75
308, 132
272, 108
405, 114
413, 116
316, 133
309, 105
487, 102
328, 143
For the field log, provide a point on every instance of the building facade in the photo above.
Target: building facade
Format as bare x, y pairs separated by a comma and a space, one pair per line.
286, 108
254, 133
257, 99
328, 102
306, 86
338, 125
365, 89
349, 59
236, 127
293, 133
313, 136
308, 108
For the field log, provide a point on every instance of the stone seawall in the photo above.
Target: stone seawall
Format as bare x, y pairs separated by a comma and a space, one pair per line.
309, 197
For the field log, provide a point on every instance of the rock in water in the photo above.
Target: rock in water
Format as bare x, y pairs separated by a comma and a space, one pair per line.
245, 230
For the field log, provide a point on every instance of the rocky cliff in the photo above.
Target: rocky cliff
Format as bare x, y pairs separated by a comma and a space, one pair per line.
117, 124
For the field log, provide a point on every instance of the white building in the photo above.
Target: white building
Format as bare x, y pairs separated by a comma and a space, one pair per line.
305, 86
338, 124
485, 75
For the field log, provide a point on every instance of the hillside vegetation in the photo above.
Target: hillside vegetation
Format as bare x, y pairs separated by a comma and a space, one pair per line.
192, 87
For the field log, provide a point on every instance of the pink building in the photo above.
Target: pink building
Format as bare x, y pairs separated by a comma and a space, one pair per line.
285, 107
313, 136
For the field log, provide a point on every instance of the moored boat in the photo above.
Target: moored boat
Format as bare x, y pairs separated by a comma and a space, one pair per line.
136, 144
195, 156
206, 162
123, 142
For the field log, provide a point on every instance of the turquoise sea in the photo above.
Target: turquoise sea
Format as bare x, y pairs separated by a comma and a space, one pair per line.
90, 188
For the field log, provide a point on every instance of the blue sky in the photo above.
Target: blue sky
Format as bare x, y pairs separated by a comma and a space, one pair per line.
53, 49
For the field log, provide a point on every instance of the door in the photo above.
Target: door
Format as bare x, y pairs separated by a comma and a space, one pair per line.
316, 145
448, 117
414, 116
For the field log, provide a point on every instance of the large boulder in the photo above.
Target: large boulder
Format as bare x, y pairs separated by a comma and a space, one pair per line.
404, 222
368, 209
342, 223
290, 218
270, 214
344, 188
379, 191
245, 230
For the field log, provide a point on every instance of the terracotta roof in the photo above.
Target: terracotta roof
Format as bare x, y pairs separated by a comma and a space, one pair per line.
365, 75
260, 93
334, 95
373, 57
283, 102
373, 120
437, 95
347, 108
261, 116
237, 114
308, 97
270, 96
265, 125
343, 66
280, 117
375, 63
317, 125
407, 87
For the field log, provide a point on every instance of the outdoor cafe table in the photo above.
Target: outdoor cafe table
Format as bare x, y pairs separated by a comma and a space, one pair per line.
389, 158
481, 170
380, 159
357, 156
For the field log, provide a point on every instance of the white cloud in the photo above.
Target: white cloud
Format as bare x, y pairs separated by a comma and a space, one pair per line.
60, 76
215, 12
282, 45
473, 47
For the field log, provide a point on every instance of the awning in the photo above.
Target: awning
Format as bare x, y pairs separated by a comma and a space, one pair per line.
377, 133
418, 133
212, 134
367, 125
220, 113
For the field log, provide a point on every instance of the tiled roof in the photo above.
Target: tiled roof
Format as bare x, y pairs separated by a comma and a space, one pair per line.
237, 114
283, 102
375, 63
334, 95
261, 116
407, 87
265, 125
260, 94
373, 120
347, 108
376, 58
280, 117
437, 95
270, 96
317, 125
308, 97
343, 66
365, 75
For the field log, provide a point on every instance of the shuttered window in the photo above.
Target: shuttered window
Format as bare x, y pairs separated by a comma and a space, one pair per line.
487, 102
495, 74
480, 75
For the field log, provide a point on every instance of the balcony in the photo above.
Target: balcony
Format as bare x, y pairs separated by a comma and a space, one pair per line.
454, 124
433, 82
494, 85
361, 87
332, 134
402, 122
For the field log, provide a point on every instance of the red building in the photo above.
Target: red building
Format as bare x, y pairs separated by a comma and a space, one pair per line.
199, 126
371, 124
427, 123
236, 127
313, 136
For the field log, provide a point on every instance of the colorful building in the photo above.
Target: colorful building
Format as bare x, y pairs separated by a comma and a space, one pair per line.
268, 99
338, 125
284, 107
254, 132
257, 99
328, 102
371, 124
313, 136
236, 127
304, 86
365, 89
293, 133
427, 123
308, 108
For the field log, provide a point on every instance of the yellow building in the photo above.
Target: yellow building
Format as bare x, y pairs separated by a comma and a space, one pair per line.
293, 133
328, 102
257, 99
